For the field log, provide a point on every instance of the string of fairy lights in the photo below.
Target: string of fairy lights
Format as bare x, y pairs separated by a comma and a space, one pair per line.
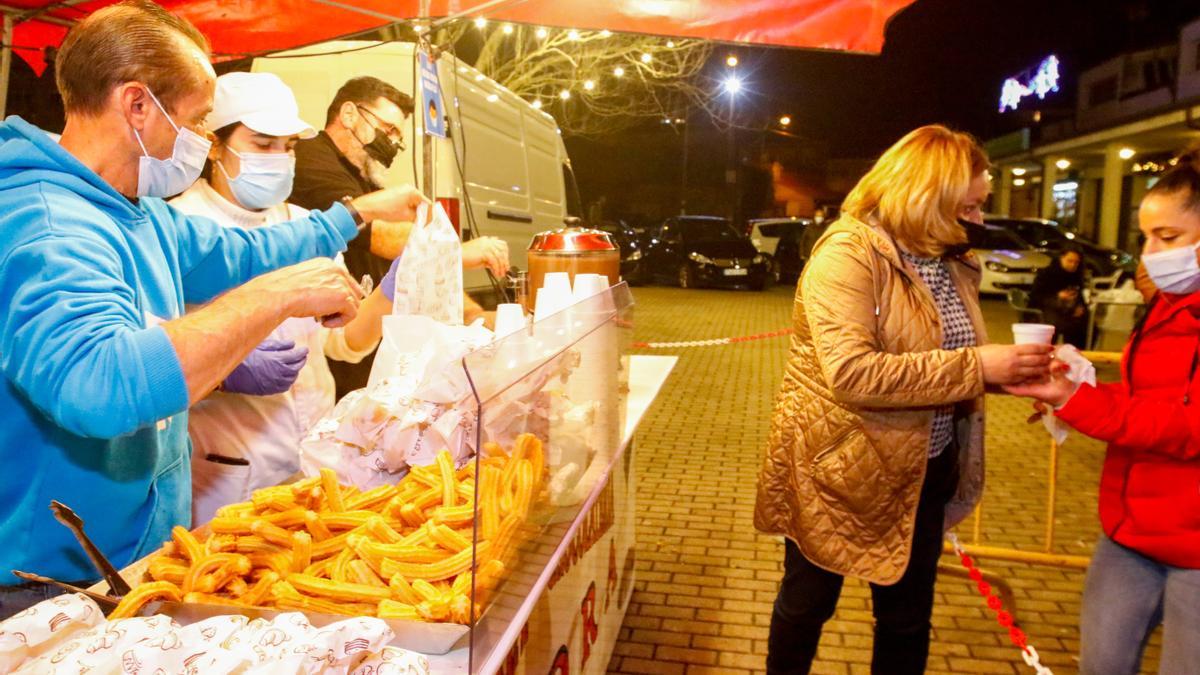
732, 83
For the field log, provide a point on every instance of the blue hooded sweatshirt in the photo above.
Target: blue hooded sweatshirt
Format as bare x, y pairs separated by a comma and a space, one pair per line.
93, 400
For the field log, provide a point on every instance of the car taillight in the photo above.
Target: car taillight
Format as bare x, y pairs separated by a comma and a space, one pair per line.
450, 205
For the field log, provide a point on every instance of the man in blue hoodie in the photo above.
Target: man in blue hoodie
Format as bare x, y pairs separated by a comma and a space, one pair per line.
99, 361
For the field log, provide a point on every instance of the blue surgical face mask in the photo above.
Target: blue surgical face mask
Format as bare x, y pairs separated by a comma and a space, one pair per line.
170, 176
265, 179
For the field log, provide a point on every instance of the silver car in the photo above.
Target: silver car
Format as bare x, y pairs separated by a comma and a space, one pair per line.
1007, 261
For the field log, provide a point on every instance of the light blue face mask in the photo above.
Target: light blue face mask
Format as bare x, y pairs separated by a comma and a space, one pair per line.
265, 179
170, 176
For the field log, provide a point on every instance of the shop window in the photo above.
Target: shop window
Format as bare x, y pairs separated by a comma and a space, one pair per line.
1103, 91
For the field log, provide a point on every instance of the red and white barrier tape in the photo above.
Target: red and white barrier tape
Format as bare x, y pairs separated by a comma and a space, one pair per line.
712, 342
1015, 635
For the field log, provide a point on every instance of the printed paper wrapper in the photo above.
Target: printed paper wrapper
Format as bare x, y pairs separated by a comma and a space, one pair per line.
69, 634
429, 277
422, 402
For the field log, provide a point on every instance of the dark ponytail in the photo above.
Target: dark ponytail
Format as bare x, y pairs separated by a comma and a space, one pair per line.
1183, 178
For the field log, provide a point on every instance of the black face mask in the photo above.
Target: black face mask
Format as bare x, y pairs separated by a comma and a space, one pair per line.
382, 149
959, 250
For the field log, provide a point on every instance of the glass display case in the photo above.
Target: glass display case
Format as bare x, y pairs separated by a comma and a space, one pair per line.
550, 419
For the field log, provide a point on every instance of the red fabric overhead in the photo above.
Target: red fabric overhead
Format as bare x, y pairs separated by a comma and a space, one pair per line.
236, 27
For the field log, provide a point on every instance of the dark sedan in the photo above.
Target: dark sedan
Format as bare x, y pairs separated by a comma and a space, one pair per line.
695, 251
1050, 237
632, 252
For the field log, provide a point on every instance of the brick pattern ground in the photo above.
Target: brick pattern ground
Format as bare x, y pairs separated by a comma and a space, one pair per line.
706, 578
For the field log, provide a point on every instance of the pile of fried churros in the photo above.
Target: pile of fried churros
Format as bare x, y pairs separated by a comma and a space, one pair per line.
399, 551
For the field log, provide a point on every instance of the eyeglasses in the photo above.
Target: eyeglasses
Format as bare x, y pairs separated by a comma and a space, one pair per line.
389, 130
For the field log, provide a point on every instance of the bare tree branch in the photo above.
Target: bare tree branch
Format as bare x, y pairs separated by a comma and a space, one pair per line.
613, 80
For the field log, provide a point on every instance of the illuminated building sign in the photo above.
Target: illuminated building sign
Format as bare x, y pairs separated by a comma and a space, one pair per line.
1043, 81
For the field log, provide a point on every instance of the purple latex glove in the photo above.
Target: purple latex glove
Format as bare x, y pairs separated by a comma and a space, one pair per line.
270, 369
388, 285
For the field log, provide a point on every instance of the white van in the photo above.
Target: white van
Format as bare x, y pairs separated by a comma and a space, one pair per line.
516, 176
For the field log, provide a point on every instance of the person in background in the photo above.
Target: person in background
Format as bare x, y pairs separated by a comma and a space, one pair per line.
245, 436
364, 131
99, 361
876, 444
1058, 292
1145, 569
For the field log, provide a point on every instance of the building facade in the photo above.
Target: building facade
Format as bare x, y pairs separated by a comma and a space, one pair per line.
1132, 114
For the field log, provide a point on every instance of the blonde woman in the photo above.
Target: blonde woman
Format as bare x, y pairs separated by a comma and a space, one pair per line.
876, 444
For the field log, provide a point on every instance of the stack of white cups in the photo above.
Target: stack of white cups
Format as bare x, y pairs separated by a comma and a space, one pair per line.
554, 296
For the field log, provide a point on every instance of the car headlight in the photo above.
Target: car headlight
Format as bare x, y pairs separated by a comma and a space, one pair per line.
635, 256
995, 266
760, 259
702, 259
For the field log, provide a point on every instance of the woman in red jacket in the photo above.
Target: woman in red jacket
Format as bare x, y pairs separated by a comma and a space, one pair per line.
1146, 566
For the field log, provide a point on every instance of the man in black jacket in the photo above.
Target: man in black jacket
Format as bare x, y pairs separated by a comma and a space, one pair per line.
364, 132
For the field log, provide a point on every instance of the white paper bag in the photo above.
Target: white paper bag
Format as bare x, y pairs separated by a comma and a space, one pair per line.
429, 278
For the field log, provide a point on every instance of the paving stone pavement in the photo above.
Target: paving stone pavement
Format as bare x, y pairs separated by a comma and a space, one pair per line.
706, 578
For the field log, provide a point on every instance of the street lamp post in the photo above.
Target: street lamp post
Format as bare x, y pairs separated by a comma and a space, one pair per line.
683, 181
733, 84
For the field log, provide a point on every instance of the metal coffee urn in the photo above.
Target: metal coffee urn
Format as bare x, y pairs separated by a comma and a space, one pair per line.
574, 250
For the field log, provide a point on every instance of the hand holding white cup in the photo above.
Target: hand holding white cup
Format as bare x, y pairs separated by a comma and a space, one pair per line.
1033, 333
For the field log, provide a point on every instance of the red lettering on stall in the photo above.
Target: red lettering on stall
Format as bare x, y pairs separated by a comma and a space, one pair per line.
611, 584
597, 523
587, 609
513, 658
562, 662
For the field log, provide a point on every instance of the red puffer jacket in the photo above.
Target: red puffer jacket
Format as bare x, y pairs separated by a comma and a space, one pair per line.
1150, 487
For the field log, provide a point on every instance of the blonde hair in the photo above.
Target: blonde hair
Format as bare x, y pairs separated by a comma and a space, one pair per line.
916, 188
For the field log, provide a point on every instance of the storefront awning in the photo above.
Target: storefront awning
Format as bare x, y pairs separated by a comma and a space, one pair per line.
241, 27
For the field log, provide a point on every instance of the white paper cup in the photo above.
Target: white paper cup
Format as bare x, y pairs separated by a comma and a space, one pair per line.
554, 295
1033, 333
510, 318
587, 285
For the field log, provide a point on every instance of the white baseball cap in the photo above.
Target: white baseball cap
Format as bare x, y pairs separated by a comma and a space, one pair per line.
261, 101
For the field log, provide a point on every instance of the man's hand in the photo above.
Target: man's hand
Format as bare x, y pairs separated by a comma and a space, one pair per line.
395, 203
1068, 295
488, 252
318, 288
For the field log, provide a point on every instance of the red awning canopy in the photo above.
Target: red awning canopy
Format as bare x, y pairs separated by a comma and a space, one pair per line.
239, 27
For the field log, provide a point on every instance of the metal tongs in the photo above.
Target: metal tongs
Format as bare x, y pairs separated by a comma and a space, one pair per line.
117, 586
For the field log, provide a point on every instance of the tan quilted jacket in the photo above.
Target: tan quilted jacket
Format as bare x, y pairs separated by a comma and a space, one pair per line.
850, 435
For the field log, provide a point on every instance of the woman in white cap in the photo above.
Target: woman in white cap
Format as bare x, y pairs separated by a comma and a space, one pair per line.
245, 435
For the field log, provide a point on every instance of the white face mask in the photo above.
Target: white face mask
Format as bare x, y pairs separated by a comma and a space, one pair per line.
1174, 271
167, 177
265, 179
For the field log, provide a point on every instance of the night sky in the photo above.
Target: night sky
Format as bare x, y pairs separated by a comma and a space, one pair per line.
943, 61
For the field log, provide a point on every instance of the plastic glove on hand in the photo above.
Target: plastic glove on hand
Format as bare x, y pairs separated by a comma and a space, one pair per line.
270, 369
388, 284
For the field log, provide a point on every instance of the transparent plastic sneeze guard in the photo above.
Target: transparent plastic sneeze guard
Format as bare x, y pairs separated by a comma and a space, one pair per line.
549, 422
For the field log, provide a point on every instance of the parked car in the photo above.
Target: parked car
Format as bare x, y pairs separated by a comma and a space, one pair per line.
1007, 261
695, 251
1050, 237
632, 251
780, 238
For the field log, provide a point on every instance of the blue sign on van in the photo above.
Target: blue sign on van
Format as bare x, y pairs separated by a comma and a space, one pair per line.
431, 99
